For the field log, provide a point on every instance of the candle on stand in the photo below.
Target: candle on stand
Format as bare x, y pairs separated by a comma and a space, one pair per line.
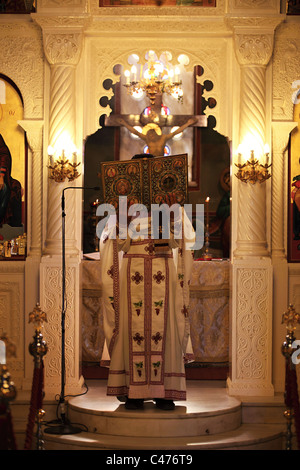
207, 207
207, 256
2, 352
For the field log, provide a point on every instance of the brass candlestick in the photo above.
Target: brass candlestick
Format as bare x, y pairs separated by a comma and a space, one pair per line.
38, 348
207, 256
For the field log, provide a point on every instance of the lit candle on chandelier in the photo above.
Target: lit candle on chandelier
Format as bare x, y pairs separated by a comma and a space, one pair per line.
51, 155
267, 152
240, 153
127, 75
133, 71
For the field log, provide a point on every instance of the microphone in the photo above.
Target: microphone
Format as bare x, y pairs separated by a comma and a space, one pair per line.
95, 188
82, 187
65, 427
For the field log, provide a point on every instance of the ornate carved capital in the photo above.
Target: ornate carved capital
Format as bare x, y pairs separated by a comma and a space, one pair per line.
62, 37
62, 48
254, 37
254, 49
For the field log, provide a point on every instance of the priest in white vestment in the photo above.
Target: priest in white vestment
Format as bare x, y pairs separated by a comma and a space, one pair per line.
146, 322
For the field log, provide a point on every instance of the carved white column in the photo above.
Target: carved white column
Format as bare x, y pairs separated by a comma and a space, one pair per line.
251, 316
34, 134
62, 37
253, 52
62, 50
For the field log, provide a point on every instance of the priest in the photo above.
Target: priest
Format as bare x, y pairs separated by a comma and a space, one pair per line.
146, 322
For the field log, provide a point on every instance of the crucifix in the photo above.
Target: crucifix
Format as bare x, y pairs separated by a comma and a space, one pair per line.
156, 142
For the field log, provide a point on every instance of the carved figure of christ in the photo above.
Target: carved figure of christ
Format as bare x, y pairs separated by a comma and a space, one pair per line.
156, 142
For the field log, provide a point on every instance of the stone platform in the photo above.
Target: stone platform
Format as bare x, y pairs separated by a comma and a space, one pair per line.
209, 419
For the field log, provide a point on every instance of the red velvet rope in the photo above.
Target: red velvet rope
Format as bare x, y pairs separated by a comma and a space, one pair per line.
36, 403
291, 395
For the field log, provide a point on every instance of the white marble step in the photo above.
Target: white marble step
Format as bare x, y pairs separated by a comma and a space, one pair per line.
206, 411
209, 419
246, 437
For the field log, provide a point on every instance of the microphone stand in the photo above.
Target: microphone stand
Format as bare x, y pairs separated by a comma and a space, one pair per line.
64, 426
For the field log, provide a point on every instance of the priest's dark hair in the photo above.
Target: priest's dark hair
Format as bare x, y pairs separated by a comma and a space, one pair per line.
142, 155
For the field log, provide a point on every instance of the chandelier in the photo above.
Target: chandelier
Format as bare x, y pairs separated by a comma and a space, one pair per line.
253, 170
63, 160
62, 168
156, 80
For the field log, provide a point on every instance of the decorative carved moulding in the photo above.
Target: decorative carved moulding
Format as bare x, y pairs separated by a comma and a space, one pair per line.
191, 26
248, 6
251, 345
64, 24
25, 68
259, 23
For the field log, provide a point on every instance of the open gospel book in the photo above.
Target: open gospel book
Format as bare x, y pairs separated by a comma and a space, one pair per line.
146, 180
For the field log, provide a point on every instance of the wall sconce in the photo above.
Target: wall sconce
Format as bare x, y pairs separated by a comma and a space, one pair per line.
253, 171
62, 168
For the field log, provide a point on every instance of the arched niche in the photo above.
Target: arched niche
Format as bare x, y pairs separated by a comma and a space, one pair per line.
208, 150
13, 165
